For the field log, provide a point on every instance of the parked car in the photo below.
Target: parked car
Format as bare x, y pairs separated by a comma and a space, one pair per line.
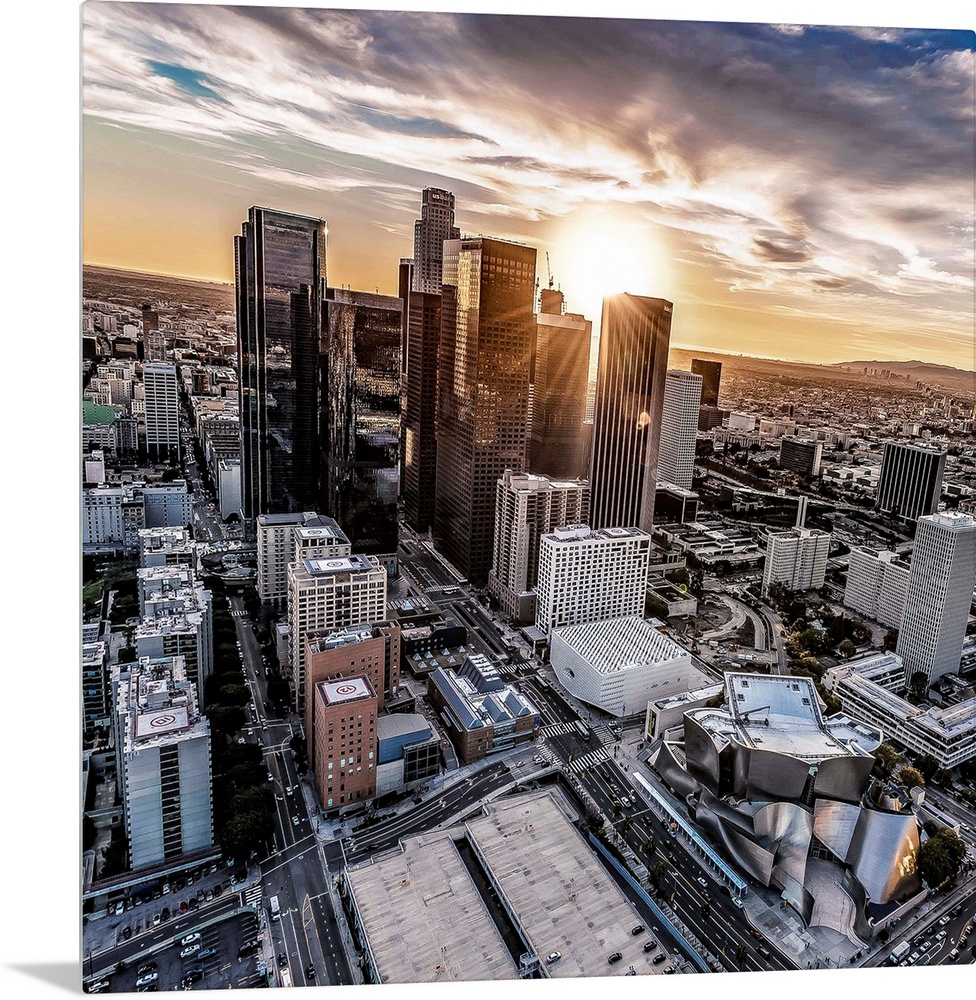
207, 953
615, 957
553, 956
190, 938
190, 950
149, 977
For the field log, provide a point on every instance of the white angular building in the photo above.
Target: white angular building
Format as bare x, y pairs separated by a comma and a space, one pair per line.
162, 746
526, 507
588, 575
797, 558
939, 593
620, 664
679, 428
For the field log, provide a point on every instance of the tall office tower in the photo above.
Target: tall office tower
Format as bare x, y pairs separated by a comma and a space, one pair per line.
370, 651
796, 558
162, 411
345, 742
911, 479
181, 629
526, 508
435, 225
939, 592
279, 265
711, 373
560, 363
94, 688
418, 440
153, 341
361, 416
590, 575
276, 548
162, 753
800, 456
487, 327
325, 595
876, 585
679, 428
634, 336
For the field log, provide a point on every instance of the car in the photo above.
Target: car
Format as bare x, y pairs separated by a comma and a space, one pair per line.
218, 889
615, 957
553, 956
954, 955
183, 906
192, 905
520, 763
295, 821
190, 938
737, 902
119, 908
309, 971
99, 986
165, 913
148, 988
137, 900
146, 967
247, 946
156, 919
669, 971
207, 953
944, 920
659, 958
190, 950
233, 880
149, 977
649, 946
270, 776
940, 935
913, 958
701, 881
283, 959
537, 759
192, 976
241, 740
631, 972
167, 888
639, 929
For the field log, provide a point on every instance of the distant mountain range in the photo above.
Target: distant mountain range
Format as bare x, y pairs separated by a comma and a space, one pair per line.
957, 378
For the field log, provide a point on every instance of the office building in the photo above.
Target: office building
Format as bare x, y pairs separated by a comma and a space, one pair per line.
876, 585
711, 373
325, 595
528, 506
800, 456
227, 476
634, 339
153, 340
280, 271
166, 547
370, 651
938, 595
418, 438
345, 749
408, 752
167, 505
479, 711
94, 688
487, 329
180, 624
435, 225
796, 558
361, 416
674, 505
711, 416
679, 428
788, 795
588, 575
162, 411
870, 690
162, 748
911, 480
559, 373
276, 548
113, 516
619, 664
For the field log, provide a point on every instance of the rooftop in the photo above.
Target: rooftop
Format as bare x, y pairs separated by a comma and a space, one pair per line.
619, 644
351, 689
332, 565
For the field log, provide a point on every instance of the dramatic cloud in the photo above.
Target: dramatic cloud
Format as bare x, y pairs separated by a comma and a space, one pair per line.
791, 164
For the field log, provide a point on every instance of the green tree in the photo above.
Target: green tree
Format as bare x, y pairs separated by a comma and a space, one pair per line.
885, 760
942, 778
927, 766
234, 694
940, 858
245, 832
919, 683
278, 691
910, 778
847, 649
226, 719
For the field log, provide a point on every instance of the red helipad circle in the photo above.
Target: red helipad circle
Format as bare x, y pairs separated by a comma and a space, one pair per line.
346, 689
162, 720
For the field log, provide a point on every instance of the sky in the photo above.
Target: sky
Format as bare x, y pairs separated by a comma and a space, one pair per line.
797, 192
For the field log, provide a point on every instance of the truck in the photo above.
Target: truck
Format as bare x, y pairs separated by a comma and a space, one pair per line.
899, 952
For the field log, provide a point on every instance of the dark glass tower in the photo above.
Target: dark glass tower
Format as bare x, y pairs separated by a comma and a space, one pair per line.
711, 373
910, 483
635, 333
487, 328
360, 430
279, 264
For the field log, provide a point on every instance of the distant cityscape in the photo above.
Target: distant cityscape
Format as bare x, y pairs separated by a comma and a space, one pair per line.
463, 634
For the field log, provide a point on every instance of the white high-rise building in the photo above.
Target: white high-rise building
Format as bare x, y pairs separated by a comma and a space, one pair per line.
435, 225
940, 590
679, 428
526, 508
588, 575
876, 585
796, 558
329, 594
162, 411
162, 747
276, 548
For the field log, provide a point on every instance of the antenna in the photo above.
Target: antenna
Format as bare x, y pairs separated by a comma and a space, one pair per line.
549, 269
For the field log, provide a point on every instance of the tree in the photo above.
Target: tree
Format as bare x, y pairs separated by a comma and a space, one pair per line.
919, 683
226, 719
927, 766
300, 751
885, 759
246, 832
941, 857
234, 694
847, 649
910, 778
278, 691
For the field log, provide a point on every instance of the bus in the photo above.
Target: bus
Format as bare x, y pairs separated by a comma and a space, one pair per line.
274, 908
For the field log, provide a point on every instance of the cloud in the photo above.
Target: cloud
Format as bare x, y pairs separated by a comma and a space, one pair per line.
781, 251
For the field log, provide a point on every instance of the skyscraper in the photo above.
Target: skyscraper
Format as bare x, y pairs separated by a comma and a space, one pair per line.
560, 363
487, 327
153, 341
280, 271
711, 373
360, 420
679, 428
797, 558
938, 595
911, 479
162, 411
435, 225
634, 339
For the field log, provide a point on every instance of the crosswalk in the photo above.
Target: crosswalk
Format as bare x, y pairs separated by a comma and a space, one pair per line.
252, 896
588, 760
604, 733
557, 729
237, 614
